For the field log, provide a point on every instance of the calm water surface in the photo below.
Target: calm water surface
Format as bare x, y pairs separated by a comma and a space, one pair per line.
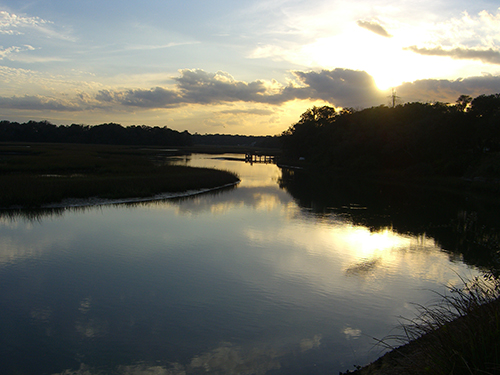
246, 280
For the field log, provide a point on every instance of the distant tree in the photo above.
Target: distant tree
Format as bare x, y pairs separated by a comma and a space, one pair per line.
486, 105
318, 115
301, 139
347, 111
486, 112
463, 103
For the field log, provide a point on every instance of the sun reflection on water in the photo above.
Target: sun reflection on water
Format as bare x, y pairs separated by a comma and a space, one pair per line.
366, 244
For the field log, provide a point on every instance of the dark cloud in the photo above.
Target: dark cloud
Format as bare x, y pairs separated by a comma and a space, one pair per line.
198, 86
488, 56
37, 103
374, 27
429, 90
193, 86
252, 111
341, 87
152, 98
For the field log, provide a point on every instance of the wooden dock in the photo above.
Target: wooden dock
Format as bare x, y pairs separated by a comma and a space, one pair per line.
259, 158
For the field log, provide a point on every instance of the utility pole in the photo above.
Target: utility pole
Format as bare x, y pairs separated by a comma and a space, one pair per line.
394, 98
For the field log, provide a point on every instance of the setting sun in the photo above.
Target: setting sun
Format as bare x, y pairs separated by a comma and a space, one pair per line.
386, 59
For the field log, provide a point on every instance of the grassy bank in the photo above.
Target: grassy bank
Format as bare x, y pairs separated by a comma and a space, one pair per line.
458, 335
32, 175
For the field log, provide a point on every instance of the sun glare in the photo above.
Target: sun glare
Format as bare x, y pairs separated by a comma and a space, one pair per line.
367, 243
404, 66
385, 59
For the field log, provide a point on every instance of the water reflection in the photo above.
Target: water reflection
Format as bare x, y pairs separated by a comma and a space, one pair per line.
466, 226
260, 278
225, 359
258, 198
362, 268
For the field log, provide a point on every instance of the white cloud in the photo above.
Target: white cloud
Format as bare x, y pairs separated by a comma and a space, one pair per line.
149, 47
34, 82
481, 31
9, 52
12, 24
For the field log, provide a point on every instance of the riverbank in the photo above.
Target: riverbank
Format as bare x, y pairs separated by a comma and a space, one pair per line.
46, 175
460, 335
475, 184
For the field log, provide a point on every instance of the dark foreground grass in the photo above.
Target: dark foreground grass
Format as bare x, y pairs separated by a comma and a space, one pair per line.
32, 175
458, 335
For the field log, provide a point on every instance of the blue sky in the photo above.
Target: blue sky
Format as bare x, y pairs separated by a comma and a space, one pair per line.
247, 67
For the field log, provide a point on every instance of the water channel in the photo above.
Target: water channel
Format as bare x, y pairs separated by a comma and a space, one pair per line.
272, 276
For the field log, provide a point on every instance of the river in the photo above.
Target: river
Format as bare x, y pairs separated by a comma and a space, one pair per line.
267, 277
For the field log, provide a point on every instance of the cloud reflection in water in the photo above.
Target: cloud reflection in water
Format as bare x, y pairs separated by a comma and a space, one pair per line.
224, 359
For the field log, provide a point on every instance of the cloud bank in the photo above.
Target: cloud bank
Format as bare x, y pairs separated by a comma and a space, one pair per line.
447, 91
343, 87
38, 103
487, 56
339, 87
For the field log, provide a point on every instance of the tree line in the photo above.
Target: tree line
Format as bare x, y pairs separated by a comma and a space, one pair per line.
110, 133
414, 137
116, 134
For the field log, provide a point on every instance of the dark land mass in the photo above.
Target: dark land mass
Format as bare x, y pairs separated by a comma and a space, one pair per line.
116, 134
37, 174
414, 141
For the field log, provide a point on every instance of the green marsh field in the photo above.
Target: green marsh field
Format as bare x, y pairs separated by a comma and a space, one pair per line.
35, 174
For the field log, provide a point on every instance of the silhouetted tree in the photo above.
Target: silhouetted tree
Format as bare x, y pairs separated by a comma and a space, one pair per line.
110, 133
414, 137
463, 102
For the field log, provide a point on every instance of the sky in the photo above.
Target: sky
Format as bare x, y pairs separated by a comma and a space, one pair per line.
248, 67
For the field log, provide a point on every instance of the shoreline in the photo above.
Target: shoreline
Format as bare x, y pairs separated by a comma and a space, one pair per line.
472, 325
96, 201
59, 175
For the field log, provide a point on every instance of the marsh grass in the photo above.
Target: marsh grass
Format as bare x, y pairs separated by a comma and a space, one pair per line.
35, 174
458, 335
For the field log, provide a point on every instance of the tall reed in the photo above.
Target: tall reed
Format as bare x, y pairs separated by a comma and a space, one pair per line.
458, 335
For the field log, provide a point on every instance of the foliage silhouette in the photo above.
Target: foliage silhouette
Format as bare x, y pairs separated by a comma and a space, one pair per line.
417, 138
116, 134
110, 133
